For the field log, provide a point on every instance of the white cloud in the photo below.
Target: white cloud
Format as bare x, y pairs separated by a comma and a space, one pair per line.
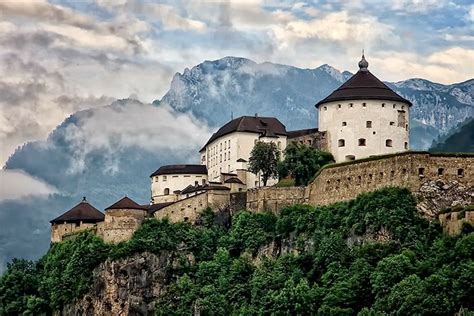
129, 124
15, 184
417, 6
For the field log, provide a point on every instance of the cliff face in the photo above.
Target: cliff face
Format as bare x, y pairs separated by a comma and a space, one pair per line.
125, 287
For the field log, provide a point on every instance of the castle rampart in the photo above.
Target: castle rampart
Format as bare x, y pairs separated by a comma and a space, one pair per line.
342, 182
120, 224
59, 230
274, 199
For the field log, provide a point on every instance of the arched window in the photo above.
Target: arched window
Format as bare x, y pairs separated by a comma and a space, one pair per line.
341, 143
362, 142
167, 191
388, 143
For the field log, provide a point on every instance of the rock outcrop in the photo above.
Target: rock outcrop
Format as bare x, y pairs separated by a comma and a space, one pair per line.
127, 286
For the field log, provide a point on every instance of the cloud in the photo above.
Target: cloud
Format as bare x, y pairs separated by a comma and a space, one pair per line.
130, 124
16, 184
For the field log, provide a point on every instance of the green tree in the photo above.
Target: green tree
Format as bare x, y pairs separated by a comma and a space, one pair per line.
302, 162
264, 159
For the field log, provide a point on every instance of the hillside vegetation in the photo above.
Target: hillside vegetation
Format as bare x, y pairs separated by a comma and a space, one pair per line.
369, 256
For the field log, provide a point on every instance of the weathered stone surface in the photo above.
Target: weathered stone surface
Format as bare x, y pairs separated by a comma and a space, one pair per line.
125, 287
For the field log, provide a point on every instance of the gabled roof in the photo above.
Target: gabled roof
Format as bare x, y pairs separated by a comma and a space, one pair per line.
125, 203
81, 212
180, 169
363, 86
265, 126
241, 160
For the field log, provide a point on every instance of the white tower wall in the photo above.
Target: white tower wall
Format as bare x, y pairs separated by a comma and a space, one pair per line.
387, 133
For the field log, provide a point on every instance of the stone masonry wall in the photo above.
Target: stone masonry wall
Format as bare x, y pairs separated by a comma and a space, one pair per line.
274, 199
411, 170
60, 231
120, 224
315, 139
189, 209
453, 222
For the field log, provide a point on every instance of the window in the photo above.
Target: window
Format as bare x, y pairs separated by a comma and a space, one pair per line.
388, 143
460, 172
440, 171
325, 108
392, 123
167, 191
383, 105
156, 179
196, 183
164, 178
344, 123
421, 172
225, 156
203, 181
362, 142
341, 143
363, 105
228, 155
368, 124
279, 145
406, 145
339, 106
394, 106
392, 174
350, 104
175, 176
403, 107
220, 158
229, 143
350, 157
402, 121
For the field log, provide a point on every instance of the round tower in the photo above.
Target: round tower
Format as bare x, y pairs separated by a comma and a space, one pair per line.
364, 118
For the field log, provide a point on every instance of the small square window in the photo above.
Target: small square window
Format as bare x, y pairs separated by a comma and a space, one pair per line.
421, 172
362, 142
392, 123
344, 123
341, 142
364, 105
394, 106
339, 106
350, 105
164, 178
368, 124
440, 171
388, 143
383, 105
460, 172
325, 108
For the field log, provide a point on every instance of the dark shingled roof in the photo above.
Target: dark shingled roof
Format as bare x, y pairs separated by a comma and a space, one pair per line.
302, 132
241, 160
81, 212
233, 180
363, 86
267, 126
125, 203
180, 169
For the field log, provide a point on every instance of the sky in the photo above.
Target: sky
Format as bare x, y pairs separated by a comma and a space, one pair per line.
60, 57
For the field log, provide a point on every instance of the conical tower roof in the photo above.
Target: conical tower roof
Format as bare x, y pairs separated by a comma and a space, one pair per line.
81, 212
125, 203
363, 86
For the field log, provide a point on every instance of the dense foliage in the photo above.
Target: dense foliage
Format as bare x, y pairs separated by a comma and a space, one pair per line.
369, 256
263, 160
302, 162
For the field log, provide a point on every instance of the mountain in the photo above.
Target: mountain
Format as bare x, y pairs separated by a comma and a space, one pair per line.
216, 90
460, 139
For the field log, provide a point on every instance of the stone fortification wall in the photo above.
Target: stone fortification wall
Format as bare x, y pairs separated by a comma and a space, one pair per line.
274, 199
60, 232
413, 170
120, 224
310, 137
453, 222
189, 209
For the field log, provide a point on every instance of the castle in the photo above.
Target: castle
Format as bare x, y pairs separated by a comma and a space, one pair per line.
363, 123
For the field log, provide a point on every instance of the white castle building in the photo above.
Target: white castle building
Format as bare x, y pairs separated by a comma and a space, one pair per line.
362, 118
